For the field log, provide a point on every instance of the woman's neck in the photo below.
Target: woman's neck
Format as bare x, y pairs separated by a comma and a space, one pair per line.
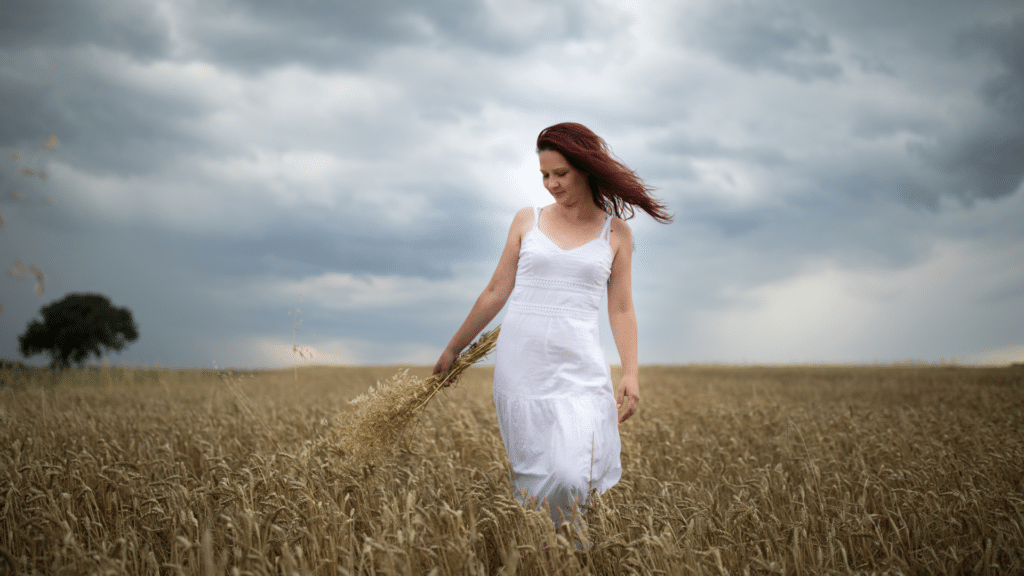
579, 212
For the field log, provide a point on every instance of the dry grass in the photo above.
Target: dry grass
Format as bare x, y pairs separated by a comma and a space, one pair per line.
726, 471
386, 413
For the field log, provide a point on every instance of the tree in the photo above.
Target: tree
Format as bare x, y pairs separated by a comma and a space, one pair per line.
76, 327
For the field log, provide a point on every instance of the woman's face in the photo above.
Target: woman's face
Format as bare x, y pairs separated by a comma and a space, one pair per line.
567, 184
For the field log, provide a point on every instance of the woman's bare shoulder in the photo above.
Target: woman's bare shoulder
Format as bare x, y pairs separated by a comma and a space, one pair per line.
523, 217
522, 222
524, 212
619, 226
621, 235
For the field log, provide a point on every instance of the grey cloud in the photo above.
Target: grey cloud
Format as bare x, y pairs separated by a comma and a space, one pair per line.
134, 28
105, 123
294, 242
984, 165
1005, 93
780, 239
185, 289
254, 36
985, 160
1004, 40
981, 160
830, 208
681, 145
755, 37
883, 32
872, 124
441, 71
289, 253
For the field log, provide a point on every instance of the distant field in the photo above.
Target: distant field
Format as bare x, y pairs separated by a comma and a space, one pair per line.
802, 470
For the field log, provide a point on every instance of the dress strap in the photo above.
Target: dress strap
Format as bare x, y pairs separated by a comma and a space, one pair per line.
536, 216
606, 231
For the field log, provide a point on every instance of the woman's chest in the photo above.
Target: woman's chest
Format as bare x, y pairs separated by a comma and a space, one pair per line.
589, 263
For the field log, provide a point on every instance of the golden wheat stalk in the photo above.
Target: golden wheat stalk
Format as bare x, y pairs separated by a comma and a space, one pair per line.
385, 412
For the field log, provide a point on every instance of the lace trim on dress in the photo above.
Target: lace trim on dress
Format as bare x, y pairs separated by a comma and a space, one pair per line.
556, 311
555, 284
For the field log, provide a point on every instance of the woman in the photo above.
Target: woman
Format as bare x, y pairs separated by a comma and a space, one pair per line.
552, 384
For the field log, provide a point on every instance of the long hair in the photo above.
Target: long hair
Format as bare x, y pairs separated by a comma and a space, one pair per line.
615, 187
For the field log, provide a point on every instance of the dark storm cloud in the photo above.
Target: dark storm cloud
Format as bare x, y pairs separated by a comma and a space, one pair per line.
970, 158
986, 164
108, 120
757, 36
297, 247
134, 28
984, 160
283, 241
1005, 40
967, 157
254, 36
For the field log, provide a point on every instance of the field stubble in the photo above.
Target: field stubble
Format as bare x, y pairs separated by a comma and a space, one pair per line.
727, 470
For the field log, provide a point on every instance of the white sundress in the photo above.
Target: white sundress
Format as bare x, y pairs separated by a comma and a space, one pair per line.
552, 384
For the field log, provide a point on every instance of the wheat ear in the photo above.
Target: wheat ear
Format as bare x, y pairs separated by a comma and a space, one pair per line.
387, 411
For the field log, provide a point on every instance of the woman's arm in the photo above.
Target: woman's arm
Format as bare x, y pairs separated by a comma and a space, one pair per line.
494, 296
622, 318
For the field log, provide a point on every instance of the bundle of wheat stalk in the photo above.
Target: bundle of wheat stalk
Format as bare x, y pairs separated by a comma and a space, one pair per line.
386, 411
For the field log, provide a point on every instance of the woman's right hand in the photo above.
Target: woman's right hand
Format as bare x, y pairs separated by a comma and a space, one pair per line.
444, 365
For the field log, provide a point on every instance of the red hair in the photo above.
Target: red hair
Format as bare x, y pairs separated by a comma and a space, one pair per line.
615, 187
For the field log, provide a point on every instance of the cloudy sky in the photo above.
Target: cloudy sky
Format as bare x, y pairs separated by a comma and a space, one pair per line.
846, 177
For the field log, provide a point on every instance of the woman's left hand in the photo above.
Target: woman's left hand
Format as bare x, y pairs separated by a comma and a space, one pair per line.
628, 396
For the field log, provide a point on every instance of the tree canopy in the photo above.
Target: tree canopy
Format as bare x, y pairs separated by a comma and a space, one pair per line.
76, 327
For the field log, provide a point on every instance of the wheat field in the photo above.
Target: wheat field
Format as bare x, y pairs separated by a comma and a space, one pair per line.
726, 470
